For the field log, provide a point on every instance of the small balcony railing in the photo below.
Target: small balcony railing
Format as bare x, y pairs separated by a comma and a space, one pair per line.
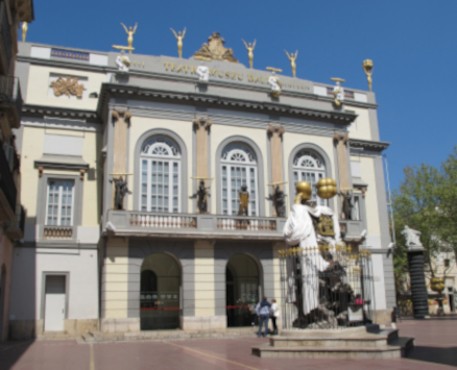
136, 223
57, 232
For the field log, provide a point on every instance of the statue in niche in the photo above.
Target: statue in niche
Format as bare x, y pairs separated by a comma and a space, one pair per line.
347, 205
202, 195
120, 190
279, 201
243, 209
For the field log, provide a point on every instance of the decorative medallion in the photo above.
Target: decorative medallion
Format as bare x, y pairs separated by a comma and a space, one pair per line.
215, 50
68, 86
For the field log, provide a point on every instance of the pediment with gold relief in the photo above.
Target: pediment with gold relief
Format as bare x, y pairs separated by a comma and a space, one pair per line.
214, 49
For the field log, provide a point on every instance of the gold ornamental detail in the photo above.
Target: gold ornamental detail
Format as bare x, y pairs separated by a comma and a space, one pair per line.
68, 86
214, 49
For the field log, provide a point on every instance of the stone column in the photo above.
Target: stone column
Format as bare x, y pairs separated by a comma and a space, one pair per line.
121, 123
201, 127
275, 133
342, 153
418, 288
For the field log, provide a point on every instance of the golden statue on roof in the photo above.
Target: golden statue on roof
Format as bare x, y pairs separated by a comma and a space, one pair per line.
250, 48
130, 31
214, 49
179, 39
293, 59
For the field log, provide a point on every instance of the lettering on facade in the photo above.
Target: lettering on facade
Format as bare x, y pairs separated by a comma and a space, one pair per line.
249, 77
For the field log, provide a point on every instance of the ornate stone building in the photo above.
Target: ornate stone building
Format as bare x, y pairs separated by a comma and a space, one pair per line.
11, 213
117, 148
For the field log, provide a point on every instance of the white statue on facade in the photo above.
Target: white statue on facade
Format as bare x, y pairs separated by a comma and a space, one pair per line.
203, 73
412, 237
338, 91
275, 85
123, 63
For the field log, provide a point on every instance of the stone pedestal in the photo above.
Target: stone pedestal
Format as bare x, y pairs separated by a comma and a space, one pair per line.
418, 287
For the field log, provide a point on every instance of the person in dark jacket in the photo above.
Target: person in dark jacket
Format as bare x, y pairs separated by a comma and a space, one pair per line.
263, 312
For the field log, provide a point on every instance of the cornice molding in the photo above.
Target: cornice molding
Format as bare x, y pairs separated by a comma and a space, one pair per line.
374, 146
109, 91
62, 113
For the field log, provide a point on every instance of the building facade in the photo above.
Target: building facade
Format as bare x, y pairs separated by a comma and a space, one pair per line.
135, 167
11, 213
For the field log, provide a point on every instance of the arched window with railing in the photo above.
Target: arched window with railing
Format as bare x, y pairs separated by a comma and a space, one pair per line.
239, 167
160, 175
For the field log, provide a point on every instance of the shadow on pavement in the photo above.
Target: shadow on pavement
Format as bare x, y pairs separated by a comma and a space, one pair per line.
437, 355
11, 352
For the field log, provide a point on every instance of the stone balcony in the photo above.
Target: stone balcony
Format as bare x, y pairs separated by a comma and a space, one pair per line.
184, 226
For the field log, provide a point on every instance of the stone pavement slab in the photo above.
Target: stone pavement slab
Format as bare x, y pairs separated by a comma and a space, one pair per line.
435, 348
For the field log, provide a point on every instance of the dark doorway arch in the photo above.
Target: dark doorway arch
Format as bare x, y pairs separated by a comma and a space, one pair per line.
160, 287
242, 276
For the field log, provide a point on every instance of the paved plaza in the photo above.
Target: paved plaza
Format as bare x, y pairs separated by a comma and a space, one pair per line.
435, 348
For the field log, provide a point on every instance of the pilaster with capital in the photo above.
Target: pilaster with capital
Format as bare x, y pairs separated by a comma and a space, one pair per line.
341, 141
275, 133
201, 126
121, 124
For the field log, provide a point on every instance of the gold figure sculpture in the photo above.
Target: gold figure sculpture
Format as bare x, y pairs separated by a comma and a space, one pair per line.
243, 194
179, 39
25, 27
368, 68
293, 58
130, 31
250, 46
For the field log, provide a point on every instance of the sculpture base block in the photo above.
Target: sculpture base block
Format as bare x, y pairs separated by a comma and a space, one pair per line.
346, 343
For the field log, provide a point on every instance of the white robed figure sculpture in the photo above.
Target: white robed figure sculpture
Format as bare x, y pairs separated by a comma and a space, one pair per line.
313, 238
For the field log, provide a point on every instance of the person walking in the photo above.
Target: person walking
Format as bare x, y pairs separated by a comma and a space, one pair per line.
263, 312
274, 314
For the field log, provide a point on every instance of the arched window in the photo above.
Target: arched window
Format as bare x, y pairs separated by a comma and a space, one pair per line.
308, 166
238, 168
160, 167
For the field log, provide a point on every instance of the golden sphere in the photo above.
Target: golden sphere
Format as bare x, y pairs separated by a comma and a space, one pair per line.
326, 188
304, 188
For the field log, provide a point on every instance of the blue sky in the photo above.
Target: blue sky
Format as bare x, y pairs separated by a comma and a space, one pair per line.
413, 44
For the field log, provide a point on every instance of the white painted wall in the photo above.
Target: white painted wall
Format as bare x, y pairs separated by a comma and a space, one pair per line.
29, 266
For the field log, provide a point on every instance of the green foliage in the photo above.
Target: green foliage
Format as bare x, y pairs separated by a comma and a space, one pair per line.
426, 201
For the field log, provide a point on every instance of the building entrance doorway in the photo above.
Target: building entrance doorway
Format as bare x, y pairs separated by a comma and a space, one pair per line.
160, 294
54, 302
242, 290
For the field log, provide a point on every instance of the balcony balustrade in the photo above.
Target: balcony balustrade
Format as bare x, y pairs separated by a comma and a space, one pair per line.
179, 225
